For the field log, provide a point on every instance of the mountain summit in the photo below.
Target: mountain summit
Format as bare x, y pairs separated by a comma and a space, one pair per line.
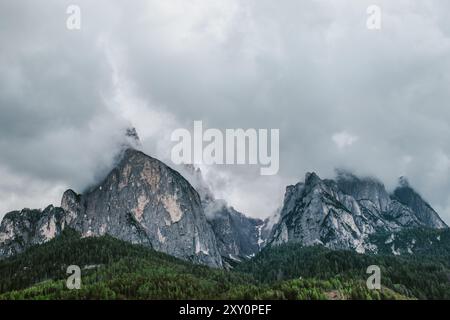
343, 213
141, 200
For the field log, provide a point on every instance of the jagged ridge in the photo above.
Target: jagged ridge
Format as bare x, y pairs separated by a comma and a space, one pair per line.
342, 214
141, 201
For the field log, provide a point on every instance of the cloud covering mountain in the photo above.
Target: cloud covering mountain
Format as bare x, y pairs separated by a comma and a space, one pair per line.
374, 102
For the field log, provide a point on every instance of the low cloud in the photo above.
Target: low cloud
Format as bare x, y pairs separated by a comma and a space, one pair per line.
374, 102
344, 139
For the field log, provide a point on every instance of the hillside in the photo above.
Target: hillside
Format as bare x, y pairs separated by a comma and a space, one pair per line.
424, 275
114, 269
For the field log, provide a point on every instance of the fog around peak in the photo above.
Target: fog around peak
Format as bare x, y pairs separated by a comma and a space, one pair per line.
373, 103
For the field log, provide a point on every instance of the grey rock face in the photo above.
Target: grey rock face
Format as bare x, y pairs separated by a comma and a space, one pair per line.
132, 139
424, 212
141, 201
342, 214
144, 201
20, 230
237, 235
367, 189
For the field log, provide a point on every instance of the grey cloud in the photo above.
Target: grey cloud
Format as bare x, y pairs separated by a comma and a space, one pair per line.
311, 69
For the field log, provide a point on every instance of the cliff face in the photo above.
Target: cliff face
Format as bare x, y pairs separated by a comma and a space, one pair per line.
144, 201
141, 201
424, 212
342, 214
21, 229
238, 236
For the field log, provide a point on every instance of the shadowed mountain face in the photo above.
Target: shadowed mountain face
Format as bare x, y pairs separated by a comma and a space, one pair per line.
424, 212
342, 214
237, 235
141, 201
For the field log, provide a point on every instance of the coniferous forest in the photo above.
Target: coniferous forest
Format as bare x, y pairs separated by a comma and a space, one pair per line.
114, 269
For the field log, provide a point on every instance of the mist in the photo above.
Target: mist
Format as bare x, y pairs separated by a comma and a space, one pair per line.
342, 96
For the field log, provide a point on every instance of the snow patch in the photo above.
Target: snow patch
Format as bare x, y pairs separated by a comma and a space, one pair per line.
390, 239
395, 252
198, 245
260, 240
233, 257
102, 229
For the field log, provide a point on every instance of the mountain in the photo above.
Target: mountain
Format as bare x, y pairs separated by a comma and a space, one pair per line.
410, 198
147, 231
141, 201
22, 229
238, 236
343, 213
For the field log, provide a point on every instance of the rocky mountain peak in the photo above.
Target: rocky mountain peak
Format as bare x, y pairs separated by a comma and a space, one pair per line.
343, 213
20, 230
144, 201
366, 189
407, 196
132, 138
141, 201
403, 182
312, 179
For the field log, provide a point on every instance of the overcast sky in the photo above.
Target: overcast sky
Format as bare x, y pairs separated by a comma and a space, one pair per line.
375, 102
